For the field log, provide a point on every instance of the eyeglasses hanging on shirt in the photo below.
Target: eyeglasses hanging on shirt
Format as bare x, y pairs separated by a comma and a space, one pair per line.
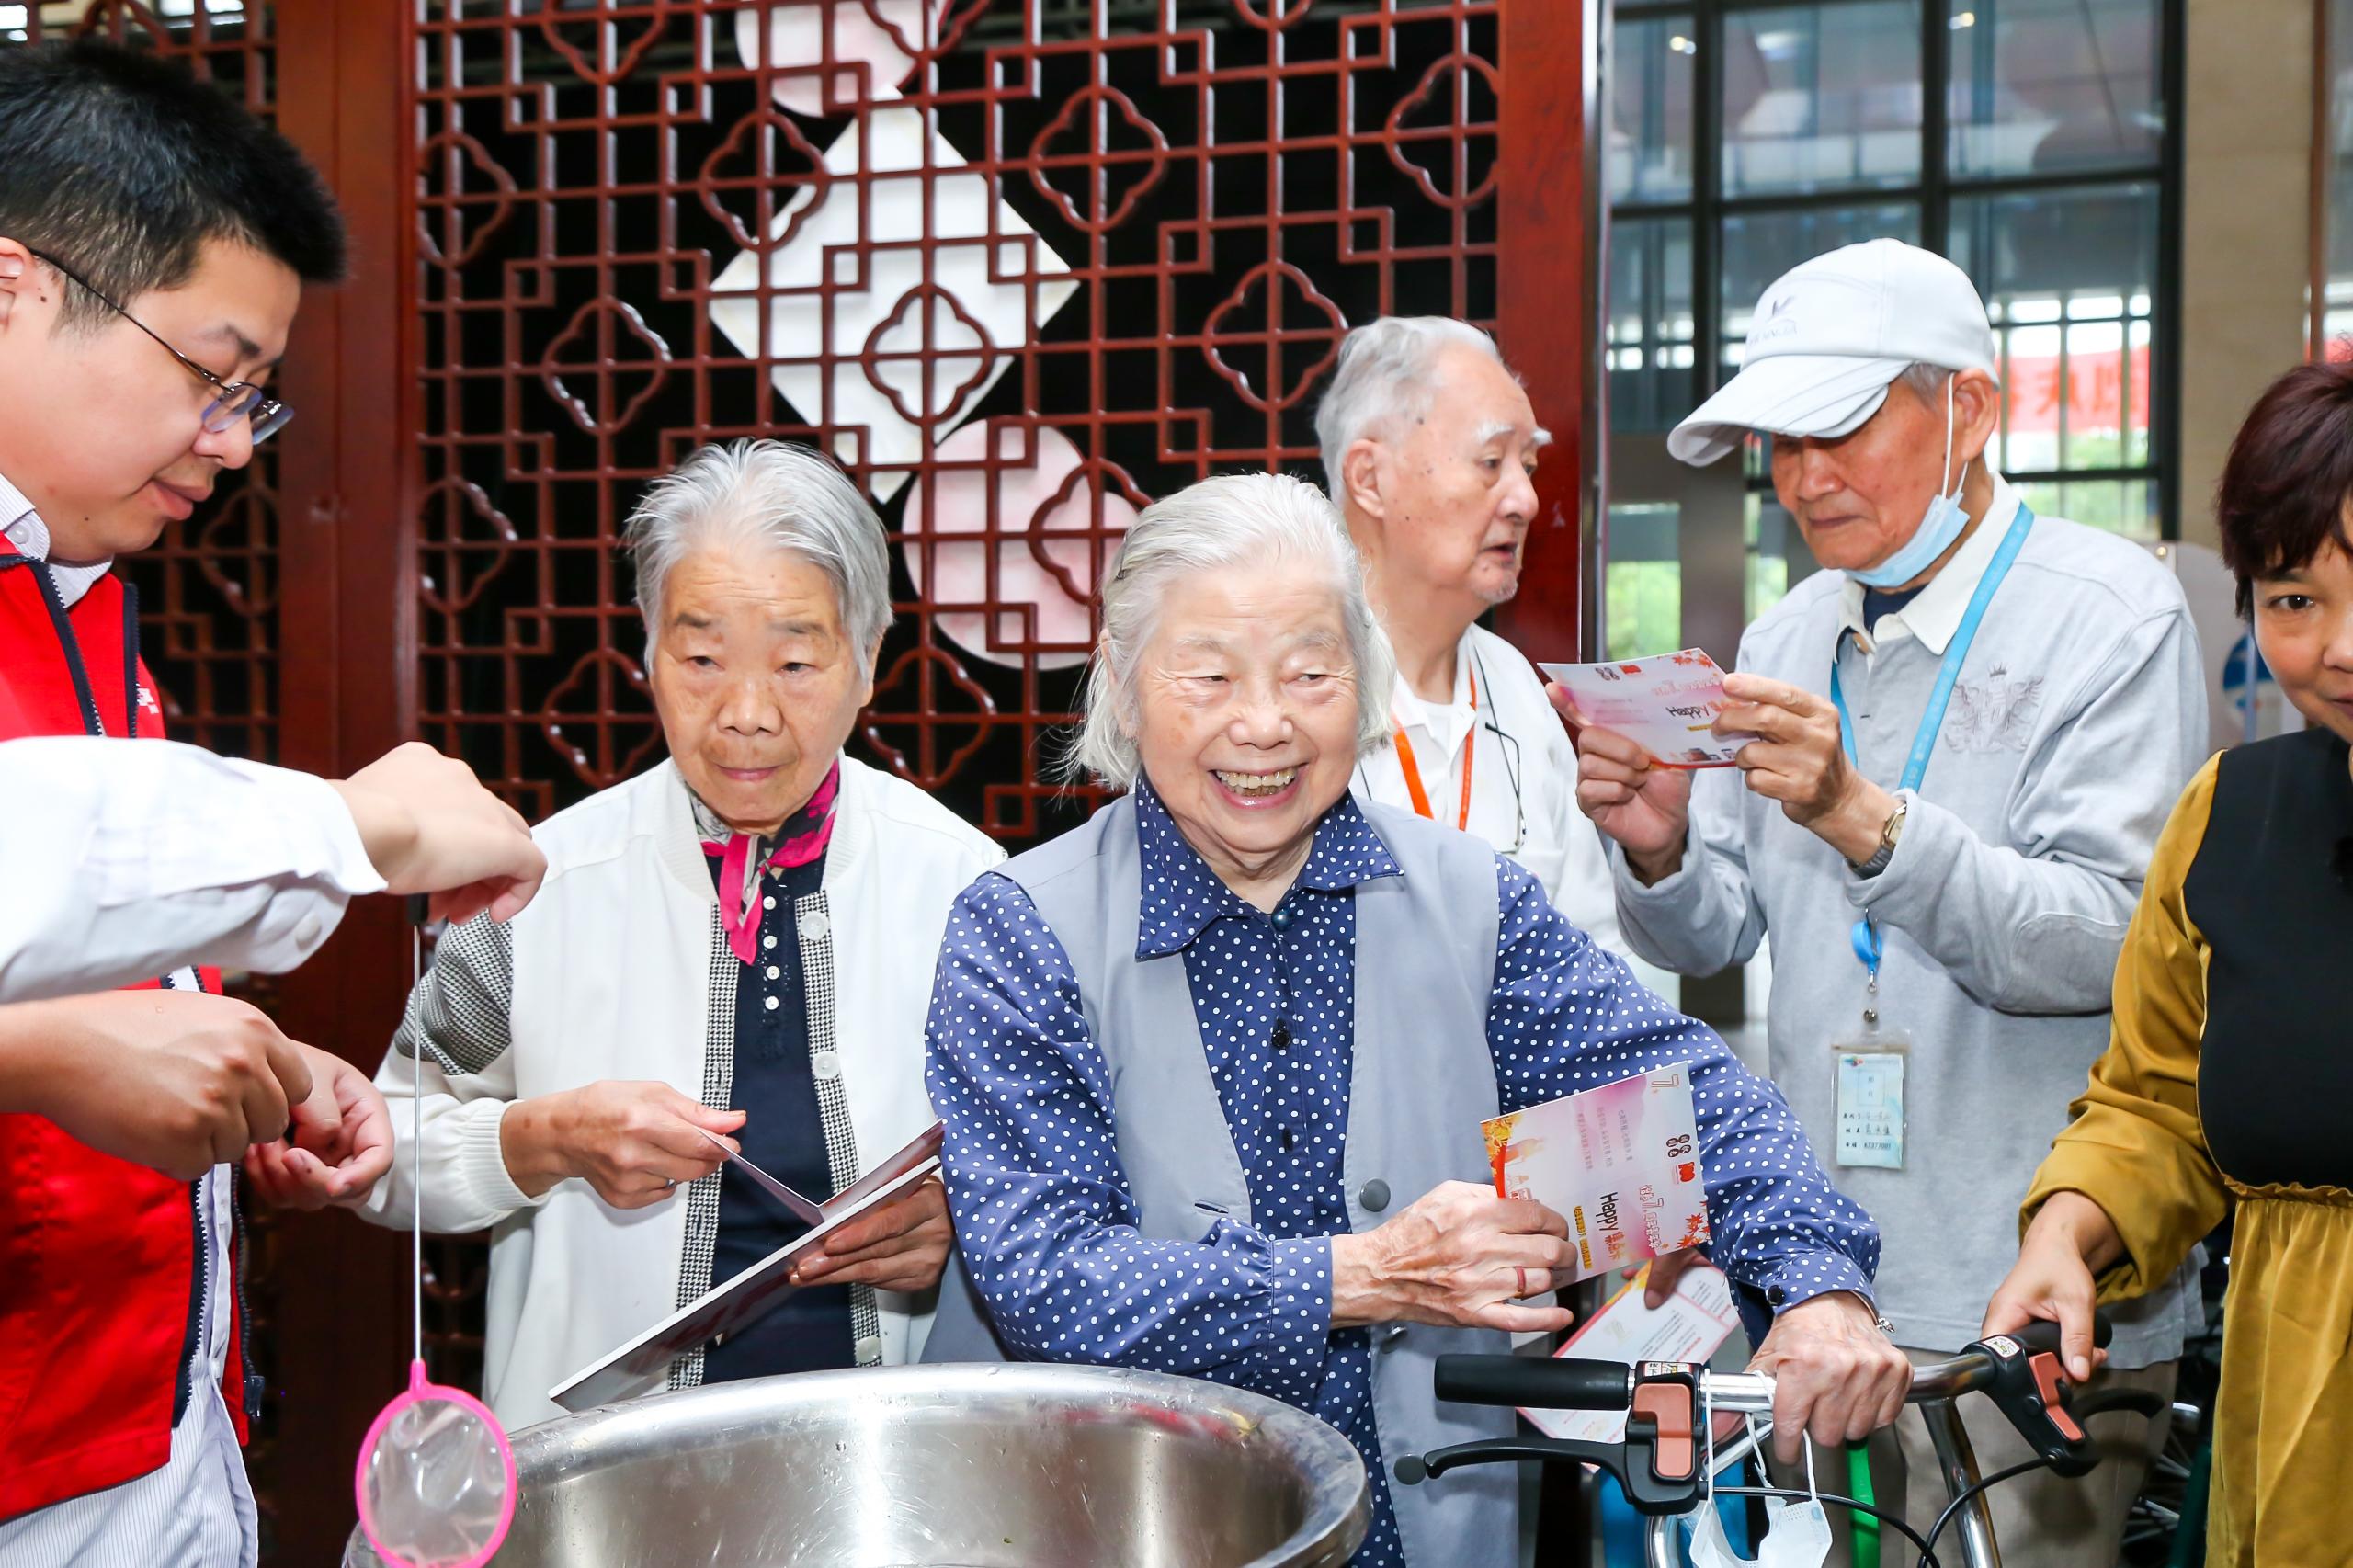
1508, 750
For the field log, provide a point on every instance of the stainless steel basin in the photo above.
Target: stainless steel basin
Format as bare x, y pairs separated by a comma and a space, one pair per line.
937, 1467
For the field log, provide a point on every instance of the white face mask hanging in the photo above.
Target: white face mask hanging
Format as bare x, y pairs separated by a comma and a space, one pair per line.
1797, 1535
1938, 528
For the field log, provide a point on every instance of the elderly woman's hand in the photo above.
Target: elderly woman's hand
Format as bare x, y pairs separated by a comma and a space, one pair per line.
1460, 1256
1836, 1376
635, 1144
900, 1245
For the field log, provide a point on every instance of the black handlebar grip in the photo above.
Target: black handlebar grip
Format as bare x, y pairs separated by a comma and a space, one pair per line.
1561, 1383
2043, 1334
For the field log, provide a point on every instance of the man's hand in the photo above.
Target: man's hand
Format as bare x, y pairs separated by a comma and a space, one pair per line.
1798, 760
635, 1142
1646, 807
430, 828
1459, 1257
899, 1244
2051, 1281
1836, 1377
175, 1079
341, 1146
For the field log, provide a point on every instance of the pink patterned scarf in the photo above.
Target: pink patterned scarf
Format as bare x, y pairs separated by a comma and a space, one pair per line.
801, 839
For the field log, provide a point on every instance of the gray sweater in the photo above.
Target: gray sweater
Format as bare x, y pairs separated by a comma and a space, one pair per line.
2079, 716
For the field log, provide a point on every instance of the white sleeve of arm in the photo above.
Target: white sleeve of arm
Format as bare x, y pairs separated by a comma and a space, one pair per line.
452, 1068
142, 856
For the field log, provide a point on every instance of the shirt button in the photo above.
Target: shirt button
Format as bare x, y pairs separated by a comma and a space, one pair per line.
772, 1007
1775, 1296
768, 941
769, 902
1286, 1140
826, 1064
1282, 919
774, 971
868, 1350
1280, 1039
813, 926
1373, 1195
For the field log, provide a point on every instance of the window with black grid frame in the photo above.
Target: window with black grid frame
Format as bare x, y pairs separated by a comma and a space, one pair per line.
2029, 140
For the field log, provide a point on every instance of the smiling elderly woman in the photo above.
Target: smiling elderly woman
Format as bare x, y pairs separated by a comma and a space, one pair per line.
731, 943
1213, 1065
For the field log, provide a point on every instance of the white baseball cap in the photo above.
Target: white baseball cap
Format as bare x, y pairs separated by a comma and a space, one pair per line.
1829, 337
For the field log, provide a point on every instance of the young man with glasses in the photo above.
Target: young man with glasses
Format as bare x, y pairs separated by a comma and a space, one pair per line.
1430, 446
154, 242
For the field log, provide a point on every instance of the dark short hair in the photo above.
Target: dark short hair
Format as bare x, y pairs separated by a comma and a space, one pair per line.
2289, 477
121, 165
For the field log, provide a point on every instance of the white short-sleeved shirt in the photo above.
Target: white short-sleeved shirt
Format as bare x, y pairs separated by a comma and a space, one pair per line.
1523, 773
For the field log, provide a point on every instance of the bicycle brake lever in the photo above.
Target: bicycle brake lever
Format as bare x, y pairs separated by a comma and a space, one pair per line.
2031, 1385
1645, 1492
1658, 1467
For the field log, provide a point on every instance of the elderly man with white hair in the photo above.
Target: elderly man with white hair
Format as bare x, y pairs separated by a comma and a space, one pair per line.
1970, 730
1213, 1065
731, 944
1430, 449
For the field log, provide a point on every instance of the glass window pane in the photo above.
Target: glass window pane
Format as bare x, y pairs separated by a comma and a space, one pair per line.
2128, 507
2337, 318
1650, 110
1644, 604
1650, 353
2041, 84
1760, 246
1822, 98
1778, 557
2069, 278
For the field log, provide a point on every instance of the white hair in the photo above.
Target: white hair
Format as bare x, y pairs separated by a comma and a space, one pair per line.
1386, 378
765, 496
1244, 519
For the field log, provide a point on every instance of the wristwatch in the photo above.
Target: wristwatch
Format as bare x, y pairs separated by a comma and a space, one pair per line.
1888, 835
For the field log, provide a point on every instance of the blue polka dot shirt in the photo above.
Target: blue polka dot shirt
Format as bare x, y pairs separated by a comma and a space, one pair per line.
1043, 1210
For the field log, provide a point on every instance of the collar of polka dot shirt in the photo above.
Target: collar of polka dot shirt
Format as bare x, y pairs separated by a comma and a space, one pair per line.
1183, 897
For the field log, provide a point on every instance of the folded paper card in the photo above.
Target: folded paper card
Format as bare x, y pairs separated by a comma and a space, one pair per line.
1691, 1326
643, 1364
1620, 1162
1666, 705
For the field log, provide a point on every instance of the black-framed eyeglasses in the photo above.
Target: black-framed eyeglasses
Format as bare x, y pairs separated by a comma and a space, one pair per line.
232, 401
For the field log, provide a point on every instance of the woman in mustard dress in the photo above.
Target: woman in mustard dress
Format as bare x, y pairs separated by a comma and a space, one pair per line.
2230, 1074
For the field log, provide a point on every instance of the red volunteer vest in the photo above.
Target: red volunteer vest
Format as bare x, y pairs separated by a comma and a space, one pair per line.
103, 1267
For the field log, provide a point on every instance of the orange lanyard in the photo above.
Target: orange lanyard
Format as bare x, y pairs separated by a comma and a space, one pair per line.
1413, 773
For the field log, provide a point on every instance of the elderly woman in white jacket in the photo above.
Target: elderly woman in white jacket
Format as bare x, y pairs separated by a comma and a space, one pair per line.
736, 943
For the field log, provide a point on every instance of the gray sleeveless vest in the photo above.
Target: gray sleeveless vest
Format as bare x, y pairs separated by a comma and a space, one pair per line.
1420, 1082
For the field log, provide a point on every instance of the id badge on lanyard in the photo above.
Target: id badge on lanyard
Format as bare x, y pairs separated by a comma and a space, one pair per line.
1869, 1066
1869, 1063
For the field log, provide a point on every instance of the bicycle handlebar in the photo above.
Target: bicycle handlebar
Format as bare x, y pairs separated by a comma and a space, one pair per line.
1667, 1402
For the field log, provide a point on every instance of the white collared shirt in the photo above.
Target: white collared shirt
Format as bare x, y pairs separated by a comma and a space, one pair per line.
28, 535
1934, 613
1523, 771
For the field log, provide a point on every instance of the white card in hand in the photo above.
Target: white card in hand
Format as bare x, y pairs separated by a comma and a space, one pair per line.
802, 1208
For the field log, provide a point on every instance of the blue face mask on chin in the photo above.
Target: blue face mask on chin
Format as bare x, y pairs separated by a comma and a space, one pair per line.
1941, 526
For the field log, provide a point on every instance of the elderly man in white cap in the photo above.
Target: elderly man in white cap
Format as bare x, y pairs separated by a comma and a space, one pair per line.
1969, 729
1430, 449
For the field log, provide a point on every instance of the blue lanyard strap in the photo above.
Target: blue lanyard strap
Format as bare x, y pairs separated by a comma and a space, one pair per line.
1865, 936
